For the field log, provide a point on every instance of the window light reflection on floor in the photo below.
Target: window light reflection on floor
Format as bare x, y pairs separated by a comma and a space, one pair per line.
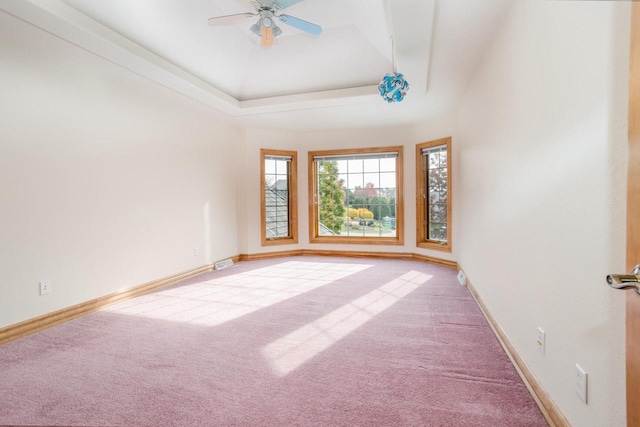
219, 300
291, 351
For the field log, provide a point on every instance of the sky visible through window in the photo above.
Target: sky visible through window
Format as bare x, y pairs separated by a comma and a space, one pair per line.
367, 204
358, 173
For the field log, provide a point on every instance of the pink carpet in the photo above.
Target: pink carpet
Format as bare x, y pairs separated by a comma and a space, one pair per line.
288, 342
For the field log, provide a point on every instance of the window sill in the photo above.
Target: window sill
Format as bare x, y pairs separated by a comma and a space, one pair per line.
280, 241
436, 246
357, 240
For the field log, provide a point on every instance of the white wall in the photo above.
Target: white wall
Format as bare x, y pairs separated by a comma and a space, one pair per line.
107, 180
540, 156
407, 137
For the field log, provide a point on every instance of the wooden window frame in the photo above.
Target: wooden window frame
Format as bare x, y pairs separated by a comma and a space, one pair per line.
292, 192
313, 202
421, 197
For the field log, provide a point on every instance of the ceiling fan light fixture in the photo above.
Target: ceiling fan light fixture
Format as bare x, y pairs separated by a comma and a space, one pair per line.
266, 28
255, 29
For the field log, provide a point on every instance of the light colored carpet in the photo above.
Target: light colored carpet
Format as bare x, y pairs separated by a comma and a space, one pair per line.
295, 341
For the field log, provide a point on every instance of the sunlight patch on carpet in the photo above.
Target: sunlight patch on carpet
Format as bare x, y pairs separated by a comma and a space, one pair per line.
231, 296
293, 350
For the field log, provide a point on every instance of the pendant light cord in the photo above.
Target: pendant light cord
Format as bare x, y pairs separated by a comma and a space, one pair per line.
393, 56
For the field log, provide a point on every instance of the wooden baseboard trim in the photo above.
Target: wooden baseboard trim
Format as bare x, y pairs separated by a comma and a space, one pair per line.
350, 254
28, 327
549, 410
434, 260
40, 323
269, 255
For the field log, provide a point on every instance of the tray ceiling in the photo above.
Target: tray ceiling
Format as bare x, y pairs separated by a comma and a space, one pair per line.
302, 81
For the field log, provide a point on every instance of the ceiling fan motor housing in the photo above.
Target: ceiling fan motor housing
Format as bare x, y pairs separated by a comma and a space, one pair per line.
266, 19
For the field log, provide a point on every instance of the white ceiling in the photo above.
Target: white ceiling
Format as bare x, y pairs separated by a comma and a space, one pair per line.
302, 82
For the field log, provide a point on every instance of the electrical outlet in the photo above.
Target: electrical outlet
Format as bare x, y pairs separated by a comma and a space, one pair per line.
581, 384
462, 278
195, 251
540, 340
45, 287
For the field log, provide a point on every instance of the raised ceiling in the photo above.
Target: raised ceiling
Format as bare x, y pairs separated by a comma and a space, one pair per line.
354, 50
302, 82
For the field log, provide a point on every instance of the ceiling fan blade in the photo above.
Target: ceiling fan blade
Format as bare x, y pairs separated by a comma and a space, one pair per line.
230, 19
267, 37
283, 4
300, 24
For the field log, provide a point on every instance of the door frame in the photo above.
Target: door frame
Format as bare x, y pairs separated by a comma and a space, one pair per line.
633, 223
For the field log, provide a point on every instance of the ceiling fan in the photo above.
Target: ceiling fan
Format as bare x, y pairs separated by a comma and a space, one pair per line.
268, 13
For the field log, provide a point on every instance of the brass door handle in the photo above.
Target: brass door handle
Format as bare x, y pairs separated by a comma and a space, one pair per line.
626, 281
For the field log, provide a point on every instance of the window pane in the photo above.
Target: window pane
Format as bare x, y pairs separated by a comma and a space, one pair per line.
371, 165
434, 160
438, 213
372, 180
443, 159
354, 196
438, 232
282, 167
436, 188
387, 165
269, 166
356, 180
281, 199
354, 166
388, 180
276, 198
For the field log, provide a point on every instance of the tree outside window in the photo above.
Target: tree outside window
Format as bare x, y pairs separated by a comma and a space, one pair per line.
433, 167
330, 196
354, 195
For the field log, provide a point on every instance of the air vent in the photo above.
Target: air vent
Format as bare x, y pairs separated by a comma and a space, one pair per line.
223, 264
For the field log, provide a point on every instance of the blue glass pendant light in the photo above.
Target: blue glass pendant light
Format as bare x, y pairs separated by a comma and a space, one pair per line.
393, 86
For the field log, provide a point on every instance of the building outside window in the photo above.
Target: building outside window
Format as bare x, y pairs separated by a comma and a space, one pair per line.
356, 196
278, 176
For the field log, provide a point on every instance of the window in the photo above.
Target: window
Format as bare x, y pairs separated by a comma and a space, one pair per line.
356, 196
278, 201
433, 171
